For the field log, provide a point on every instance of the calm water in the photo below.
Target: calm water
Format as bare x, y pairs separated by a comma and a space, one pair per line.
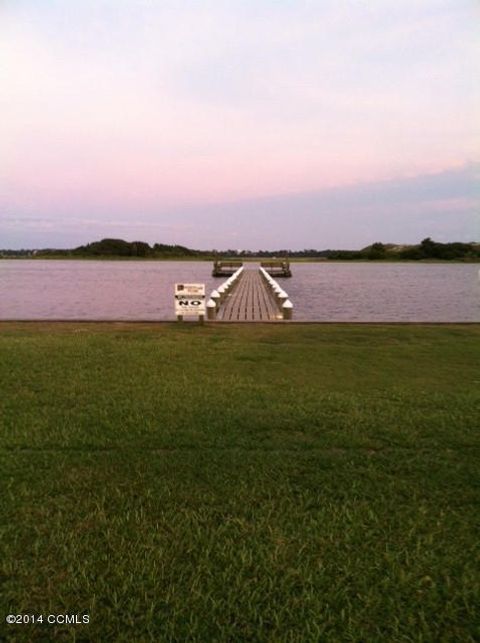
320, 291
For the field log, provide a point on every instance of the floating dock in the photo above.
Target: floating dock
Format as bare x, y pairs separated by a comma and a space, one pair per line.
225, 268
277, 267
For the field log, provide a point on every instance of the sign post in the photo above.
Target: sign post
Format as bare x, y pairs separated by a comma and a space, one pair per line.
190, 301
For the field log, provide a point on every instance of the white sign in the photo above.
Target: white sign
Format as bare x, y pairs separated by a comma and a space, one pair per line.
190, 299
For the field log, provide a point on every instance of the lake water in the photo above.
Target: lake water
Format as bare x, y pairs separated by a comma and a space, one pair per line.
36, 289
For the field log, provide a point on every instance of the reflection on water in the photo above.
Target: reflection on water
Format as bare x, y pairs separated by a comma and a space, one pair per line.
386, 292
36, 289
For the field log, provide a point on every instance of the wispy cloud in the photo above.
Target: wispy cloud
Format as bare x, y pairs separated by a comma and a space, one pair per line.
443, 205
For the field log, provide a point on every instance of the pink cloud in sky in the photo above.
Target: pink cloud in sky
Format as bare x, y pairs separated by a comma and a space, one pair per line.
135, 106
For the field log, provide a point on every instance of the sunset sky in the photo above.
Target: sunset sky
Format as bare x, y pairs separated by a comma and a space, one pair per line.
241, 123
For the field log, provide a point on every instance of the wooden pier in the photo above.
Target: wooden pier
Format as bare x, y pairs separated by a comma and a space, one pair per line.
250, 300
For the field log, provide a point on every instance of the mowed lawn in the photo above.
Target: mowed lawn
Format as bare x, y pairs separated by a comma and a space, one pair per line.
241, 483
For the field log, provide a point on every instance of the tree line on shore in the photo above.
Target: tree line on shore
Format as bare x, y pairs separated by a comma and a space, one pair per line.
427, 249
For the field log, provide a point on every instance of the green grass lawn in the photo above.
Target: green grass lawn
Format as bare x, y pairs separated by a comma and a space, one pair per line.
241, 483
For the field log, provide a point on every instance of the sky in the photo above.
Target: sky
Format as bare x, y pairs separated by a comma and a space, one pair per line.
258, 124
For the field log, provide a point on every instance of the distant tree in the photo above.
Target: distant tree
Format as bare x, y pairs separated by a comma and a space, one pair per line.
447, 251
115, 247
377, 251
412, 253
165, 250
428, 248
140, 249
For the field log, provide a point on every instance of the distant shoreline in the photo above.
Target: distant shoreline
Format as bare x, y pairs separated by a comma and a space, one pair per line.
242, 259
119, 249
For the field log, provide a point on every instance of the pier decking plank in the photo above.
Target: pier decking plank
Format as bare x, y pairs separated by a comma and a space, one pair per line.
250, 301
